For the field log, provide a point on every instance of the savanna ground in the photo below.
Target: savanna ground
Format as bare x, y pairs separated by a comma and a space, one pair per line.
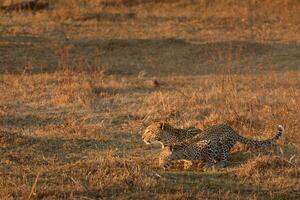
79, 82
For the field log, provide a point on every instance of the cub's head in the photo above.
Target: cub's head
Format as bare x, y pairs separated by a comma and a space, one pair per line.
159, 132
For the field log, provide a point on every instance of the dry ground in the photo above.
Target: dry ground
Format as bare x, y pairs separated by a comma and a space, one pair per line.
80, 82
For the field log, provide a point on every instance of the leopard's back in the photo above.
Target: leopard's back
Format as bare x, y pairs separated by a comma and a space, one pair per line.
225, 135
214, 144
221, 134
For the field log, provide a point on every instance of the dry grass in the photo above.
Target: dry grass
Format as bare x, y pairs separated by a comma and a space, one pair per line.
79, 83
81, 133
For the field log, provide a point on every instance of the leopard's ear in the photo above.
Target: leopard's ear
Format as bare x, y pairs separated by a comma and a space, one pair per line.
162, 125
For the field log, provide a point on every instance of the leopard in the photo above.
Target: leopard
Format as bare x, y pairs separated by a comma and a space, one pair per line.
164, 134
211, 145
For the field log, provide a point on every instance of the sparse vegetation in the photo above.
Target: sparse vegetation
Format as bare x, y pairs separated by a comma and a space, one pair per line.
80, 81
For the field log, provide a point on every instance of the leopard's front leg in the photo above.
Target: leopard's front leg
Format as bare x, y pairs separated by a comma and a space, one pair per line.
168, 160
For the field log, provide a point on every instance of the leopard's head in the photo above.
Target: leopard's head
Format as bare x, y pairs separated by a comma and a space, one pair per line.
159, 132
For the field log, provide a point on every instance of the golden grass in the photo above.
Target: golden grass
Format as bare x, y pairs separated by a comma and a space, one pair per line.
80, 82
81, 134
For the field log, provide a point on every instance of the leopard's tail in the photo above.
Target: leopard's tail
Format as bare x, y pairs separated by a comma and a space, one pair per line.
262, 143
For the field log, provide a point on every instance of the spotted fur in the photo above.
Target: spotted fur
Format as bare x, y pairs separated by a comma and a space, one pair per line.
212, 145
167, 135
